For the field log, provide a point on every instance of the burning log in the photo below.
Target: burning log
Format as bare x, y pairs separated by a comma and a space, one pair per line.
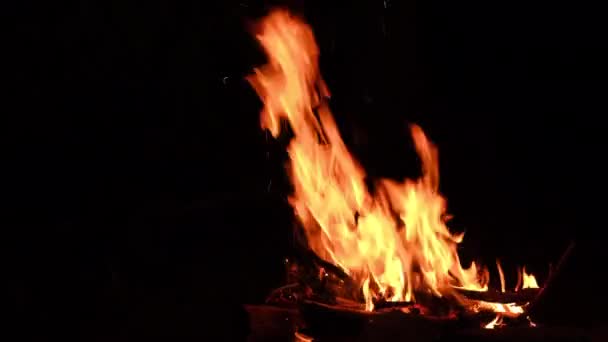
522, 296
390, 305
358, 325
268, 323
552, 275
311, 277
308, 254
525, 334
322, 282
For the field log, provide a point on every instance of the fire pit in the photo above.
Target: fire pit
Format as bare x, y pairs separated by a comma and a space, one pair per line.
375, 262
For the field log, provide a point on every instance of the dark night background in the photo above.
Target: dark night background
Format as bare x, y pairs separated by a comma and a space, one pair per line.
138, 179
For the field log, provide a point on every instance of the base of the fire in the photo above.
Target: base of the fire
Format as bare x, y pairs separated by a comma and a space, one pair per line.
323, 294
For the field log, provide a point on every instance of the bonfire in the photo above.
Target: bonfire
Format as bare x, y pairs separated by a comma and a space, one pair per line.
366, 251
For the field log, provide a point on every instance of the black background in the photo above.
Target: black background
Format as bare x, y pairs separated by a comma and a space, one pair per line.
143, 196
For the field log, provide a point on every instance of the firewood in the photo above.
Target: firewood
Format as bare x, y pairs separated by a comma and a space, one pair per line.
523, 333
382, 304
520, 297
271, 323
358, 325
554, 273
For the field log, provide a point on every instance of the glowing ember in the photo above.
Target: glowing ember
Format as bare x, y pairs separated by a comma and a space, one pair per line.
508, 309
394, 243
496, 322
299, 337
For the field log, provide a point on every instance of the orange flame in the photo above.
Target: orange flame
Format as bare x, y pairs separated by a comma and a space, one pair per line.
344, 223
299, 337
501, 276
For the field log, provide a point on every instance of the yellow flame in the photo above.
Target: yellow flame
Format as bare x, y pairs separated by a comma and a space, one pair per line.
525, 280
369, 304
529, 281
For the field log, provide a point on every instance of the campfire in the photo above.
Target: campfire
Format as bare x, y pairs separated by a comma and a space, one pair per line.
366, 250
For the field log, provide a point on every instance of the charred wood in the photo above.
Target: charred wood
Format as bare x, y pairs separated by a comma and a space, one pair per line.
519, 297
552, 276
330, 323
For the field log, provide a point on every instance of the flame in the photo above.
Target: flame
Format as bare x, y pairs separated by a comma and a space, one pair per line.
501, 275
393, 242
496, 322
525, 280
506, 309
529, 281
299, 337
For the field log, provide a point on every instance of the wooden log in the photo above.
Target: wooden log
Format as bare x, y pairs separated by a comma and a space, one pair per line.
519, 297
349, 286
268, 323
271, 323
552, 276
388, 305
333, 323
308, 256
520, 334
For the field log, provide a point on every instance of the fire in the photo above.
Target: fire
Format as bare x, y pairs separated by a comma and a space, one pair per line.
529, 281
394, 242
525, 280
496, 322
501, 276
299, 337
508, 309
